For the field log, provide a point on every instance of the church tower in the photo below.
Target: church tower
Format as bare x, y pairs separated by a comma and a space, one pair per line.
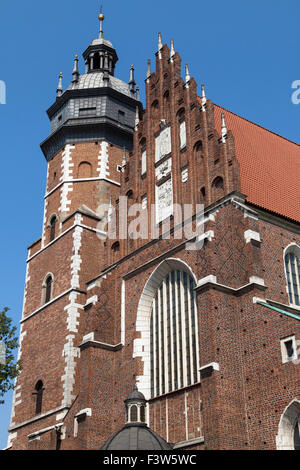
91, 128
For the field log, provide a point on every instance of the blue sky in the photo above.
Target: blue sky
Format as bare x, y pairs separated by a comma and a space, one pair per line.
246, 53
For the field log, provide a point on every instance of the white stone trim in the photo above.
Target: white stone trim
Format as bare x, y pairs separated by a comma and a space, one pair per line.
67, 170
206, 280
251, 235
214, 365
80, 180
92, 300
37, 434
86, 412
258, 299
257, 280
11, 437
209, 235
103, 160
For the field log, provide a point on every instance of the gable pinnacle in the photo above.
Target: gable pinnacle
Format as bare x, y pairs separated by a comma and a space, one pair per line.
137, 95
137, 118
172, 50
224, 128
148, 69
160, 45
59, 90
203, 99
187, 74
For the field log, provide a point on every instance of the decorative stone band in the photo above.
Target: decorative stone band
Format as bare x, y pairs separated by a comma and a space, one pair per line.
252, 237
207, 369
210, 282
37, 418
37, 434
89, 341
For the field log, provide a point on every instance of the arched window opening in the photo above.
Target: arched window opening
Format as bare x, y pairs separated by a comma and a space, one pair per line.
198, 148
115, 247
166, 100
53, 227
292, 269
133, 414
97, 61
173, 335
288, 437
218, 188
129, 194
143, 414
84, 170
39, 397
48, 289
202, 195
155, 108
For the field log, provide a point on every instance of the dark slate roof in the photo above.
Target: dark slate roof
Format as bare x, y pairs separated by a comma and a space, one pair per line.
95, 80
135, 395
136, 436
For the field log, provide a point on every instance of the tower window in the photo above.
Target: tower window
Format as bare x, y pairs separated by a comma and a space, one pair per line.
121, 117
39, 397
52, 227
86, 112
47, 289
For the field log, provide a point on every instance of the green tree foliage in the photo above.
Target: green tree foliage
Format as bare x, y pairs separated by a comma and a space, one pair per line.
9, 367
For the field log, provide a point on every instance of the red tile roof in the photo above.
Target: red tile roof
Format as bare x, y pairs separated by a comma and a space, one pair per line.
269, 165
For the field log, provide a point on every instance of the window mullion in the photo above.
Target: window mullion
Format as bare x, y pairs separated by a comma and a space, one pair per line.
165, 330
189, 326
183, 332
154, 345
159, 343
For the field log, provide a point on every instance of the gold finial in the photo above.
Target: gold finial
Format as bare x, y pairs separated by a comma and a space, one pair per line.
101, 17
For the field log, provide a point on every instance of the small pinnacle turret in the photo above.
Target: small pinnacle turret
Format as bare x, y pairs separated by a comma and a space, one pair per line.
59, 90
187, 74
131, 82
148, 68
75, 72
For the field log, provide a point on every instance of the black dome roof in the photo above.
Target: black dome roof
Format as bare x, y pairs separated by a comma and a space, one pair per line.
136, 436
135, 395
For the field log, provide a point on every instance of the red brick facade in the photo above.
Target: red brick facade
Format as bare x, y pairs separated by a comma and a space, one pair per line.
83, 344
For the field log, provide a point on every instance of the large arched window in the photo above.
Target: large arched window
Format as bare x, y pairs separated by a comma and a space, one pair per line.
173, 334
292, 269
288, 437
